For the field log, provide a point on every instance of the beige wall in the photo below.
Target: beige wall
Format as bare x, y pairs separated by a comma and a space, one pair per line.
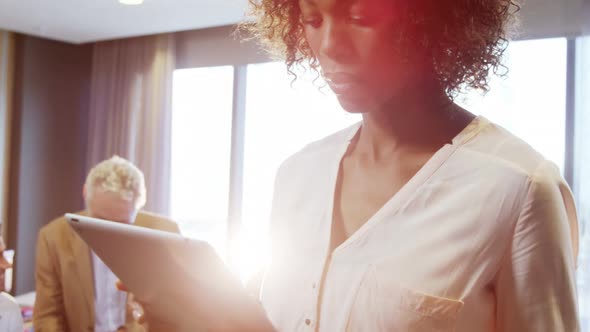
218, 46
215, 47
554, 18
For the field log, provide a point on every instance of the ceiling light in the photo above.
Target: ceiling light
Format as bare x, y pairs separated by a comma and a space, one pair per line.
131, 2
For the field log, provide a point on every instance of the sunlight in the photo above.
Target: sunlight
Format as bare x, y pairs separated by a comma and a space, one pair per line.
250, 254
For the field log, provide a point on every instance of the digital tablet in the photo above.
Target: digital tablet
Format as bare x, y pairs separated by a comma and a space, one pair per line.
165, 270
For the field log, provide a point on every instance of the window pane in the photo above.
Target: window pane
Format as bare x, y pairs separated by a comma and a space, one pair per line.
280, 120
530, 102
201, 143
582, 174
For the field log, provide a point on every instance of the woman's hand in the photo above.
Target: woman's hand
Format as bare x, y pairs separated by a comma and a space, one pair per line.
140, 310
239, 312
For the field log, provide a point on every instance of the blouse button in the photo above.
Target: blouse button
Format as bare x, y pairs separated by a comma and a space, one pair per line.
307, 321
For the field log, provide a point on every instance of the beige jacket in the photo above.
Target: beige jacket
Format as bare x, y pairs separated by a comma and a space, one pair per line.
64, 277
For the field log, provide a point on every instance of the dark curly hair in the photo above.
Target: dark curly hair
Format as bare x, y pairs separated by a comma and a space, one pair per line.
463, 40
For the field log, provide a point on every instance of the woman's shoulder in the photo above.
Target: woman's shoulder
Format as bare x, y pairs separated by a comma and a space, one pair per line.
497, 148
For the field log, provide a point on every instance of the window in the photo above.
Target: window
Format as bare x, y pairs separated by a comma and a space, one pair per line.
530, 102
201, 143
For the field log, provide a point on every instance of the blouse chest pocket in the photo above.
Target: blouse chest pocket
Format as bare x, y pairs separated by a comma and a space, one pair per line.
382, 305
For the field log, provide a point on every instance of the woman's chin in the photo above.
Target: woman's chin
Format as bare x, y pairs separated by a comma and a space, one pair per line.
355, 103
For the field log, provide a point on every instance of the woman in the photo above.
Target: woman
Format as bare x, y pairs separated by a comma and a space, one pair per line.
423, 217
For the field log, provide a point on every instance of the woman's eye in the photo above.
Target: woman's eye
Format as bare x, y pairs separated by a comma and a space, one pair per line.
314, 22
361, 20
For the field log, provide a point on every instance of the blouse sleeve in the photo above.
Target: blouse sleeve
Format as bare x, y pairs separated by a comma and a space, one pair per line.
535, 285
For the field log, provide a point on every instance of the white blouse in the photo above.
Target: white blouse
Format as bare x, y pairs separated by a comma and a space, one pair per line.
483, 238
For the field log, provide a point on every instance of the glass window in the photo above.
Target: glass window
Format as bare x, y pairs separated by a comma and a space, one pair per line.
201, 144
530, 101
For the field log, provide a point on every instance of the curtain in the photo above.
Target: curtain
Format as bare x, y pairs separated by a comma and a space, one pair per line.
6, 77
130, 109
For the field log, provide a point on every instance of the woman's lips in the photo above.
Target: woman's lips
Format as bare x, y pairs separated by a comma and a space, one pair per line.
342, 83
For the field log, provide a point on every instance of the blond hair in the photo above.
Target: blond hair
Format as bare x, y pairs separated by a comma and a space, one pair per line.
120, 176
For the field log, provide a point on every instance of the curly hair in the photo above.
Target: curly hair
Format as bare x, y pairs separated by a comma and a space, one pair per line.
120, 176
463, 40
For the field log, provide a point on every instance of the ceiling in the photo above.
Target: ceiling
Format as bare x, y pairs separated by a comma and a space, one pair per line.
82, 21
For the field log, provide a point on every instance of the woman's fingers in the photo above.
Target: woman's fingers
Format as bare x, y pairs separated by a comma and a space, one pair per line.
137, 311
120, 286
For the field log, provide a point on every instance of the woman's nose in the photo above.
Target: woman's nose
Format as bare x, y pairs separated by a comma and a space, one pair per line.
335, 42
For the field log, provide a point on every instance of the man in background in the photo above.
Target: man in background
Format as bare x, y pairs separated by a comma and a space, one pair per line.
10, 316
75, 290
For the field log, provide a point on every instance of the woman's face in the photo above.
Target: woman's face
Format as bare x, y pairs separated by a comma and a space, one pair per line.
355, 45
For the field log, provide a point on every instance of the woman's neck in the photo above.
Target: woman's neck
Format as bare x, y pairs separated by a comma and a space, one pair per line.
416, 125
